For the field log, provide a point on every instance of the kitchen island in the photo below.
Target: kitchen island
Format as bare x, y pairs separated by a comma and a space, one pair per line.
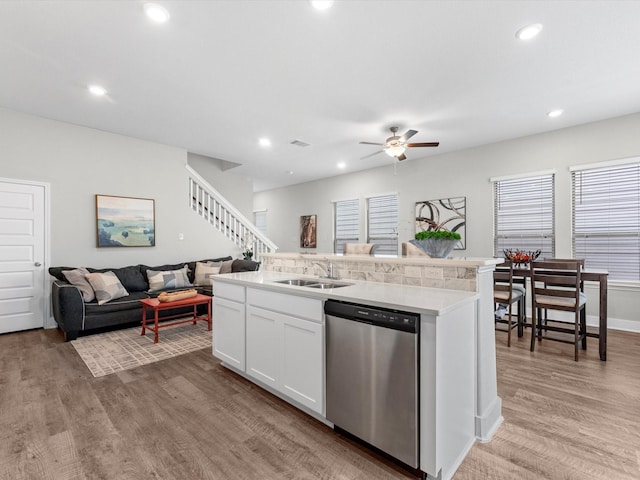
273, 333
469, 274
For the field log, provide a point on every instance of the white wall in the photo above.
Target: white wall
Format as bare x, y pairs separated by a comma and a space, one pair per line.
466, 173
79, 162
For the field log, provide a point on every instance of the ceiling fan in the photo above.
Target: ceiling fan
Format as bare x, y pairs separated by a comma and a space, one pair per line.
395, 145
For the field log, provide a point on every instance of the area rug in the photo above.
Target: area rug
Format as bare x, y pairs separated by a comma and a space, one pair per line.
120, 350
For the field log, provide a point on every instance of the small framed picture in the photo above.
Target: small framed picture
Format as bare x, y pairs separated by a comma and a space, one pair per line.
308, 231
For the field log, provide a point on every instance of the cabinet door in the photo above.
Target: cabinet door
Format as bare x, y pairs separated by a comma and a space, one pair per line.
264, 345
303, 362
229, 332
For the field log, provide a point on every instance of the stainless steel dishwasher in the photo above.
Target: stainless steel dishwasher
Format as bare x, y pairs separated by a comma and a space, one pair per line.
372, 376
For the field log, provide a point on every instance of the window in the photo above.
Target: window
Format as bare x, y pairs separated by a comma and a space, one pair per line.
347, 226
260, 221
382, 223
606, 218
524, 214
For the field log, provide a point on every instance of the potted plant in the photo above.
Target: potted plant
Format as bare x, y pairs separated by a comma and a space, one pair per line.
436, 243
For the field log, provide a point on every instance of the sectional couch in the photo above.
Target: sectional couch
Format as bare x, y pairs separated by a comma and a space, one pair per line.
86, 300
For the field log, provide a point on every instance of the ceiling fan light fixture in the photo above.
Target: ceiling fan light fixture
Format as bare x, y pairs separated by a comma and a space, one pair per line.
394, 150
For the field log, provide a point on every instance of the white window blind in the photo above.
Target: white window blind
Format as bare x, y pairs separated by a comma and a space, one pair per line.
260, 221
606, 219
347, 226
524, 215
382, 223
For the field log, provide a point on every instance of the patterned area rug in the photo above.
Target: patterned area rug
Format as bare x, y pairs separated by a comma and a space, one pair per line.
120, 350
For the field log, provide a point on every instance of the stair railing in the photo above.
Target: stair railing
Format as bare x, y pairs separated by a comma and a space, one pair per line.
207, 202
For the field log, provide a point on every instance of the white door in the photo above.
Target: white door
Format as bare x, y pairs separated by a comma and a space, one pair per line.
22, 256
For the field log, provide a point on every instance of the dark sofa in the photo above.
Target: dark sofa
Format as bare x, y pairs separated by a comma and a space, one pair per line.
75, 316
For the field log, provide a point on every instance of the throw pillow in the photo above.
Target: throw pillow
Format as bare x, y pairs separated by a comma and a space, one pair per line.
160, 280
130, 277
226, 266
78, 278
204, 272
107, 286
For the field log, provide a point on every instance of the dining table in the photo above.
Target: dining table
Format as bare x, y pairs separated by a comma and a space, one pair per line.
600, 277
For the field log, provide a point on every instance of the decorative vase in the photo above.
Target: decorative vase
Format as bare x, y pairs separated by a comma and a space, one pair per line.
435, 247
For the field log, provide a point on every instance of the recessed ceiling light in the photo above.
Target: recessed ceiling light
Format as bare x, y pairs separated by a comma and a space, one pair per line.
342, 165
555, 113
264, 142
97, 90
290, 172
321, 4
156, 12
529, 31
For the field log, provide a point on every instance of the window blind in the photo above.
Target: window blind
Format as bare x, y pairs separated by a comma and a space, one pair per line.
347, 223
606, 219
524, 215
382, 223
260, 221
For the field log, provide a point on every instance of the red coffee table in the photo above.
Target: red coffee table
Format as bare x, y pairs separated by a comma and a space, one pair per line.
156, 306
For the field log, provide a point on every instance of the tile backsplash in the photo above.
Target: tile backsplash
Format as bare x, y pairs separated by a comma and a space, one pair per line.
374, 269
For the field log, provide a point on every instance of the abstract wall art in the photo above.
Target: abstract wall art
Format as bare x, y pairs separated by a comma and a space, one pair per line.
443, 214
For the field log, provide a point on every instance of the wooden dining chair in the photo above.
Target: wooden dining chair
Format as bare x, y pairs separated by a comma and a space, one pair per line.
556, 286
567, 261
506, 293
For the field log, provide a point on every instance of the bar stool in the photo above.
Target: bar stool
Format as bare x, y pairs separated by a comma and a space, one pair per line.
505, 293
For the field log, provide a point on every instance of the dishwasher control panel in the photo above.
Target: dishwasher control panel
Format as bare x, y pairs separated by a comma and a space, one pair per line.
382, 317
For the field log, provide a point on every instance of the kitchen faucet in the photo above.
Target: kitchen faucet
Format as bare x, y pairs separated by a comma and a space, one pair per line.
328, 270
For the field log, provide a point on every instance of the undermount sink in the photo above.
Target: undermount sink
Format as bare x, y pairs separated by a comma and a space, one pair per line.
299, 282
314, 283
323, 285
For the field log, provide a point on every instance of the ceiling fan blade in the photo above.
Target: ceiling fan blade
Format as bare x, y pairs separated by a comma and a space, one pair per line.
401, 157
408, 134
423, 144
371, 143
371, 154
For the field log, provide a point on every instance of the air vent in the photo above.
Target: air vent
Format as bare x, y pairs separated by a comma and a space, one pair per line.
299, 143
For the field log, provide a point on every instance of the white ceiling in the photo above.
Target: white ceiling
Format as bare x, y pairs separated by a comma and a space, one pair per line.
222, 74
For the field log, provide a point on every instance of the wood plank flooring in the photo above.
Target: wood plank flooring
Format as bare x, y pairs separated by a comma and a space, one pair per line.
189, 418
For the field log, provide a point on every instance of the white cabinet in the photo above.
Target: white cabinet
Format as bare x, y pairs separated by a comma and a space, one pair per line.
229, 324
303, 362
285, 350
263, 345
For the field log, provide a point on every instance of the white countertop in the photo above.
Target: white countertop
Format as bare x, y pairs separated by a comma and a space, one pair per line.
432, 301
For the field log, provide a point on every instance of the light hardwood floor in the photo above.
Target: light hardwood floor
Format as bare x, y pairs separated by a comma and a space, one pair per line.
189, 418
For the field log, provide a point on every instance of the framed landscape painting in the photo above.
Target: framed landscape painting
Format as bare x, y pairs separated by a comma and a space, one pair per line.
125, 221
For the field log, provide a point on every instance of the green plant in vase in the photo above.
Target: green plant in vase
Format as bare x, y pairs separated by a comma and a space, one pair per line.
436, 243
